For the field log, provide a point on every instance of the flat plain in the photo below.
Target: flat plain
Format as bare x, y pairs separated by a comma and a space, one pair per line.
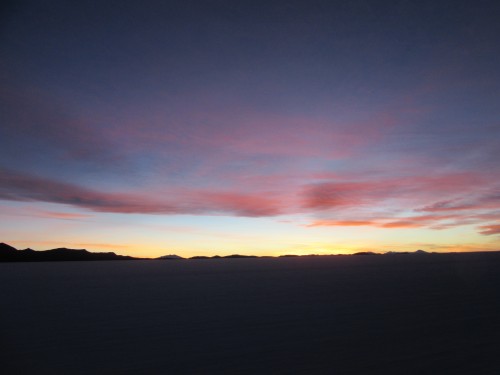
387, 314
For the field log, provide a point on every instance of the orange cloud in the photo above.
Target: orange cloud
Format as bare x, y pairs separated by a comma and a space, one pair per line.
401, 224
431, 221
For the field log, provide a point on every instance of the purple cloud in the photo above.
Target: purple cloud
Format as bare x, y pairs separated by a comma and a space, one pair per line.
22, 187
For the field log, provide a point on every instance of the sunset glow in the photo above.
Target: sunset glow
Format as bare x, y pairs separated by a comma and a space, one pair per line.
260, 129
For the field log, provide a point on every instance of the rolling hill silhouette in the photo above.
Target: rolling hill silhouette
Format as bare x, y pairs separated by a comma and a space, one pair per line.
11, 254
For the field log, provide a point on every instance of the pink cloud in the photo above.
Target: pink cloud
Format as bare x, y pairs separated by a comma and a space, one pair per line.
354, 201
374, 191
432, 221
423, 221
436, 222
21, 187
239, 204
483, 201
346, 223
216, 133
490, 229
449, 205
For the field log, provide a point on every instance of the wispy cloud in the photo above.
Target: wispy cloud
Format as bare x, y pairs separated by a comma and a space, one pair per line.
489, 200
23, 187
62, 215
390, 202
490, 229
341, 202
342, 193
393, 222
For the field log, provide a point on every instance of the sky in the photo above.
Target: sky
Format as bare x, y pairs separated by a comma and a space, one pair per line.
251, 127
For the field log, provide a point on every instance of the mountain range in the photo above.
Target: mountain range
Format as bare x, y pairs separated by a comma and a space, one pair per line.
11, 254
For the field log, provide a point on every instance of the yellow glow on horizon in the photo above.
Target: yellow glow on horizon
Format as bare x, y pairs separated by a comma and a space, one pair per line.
187, 236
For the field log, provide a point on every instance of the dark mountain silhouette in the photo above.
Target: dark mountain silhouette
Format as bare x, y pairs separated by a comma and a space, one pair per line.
11, 254
421, 252
406, 252
6, 249
233, 256
170, 257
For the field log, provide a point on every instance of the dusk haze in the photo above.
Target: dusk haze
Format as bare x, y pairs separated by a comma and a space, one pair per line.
257, 127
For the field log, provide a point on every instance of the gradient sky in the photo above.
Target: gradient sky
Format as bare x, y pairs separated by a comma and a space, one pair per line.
252, 127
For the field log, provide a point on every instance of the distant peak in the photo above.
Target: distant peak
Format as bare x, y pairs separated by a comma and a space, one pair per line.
68, 249
5, 247
170, 256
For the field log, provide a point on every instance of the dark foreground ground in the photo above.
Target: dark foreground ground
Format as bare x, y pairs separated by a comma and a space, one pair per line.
401, 314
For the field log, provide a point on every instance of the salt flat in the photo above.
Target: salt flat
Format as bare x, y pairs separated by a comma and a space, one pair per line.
399, 314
